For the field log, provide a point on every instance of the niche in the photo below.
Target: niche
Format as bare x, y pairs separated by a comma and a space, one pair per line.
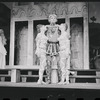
76, 31
20, 49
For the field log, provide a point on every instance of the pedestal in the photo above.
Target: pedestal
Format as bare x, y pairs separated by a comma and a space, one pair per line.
54, 75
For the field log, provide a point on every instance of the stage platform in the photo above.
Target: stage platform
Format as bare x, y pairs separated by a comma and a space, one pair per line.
86, 86
67, 86
34, 91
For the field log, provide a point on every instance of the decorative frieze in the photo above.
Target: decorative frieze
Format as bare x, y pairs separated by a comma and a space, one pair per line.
43, 10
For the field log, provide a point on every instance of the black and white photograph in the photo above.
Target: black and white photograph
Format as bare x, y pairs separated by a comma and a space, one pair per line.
50, 50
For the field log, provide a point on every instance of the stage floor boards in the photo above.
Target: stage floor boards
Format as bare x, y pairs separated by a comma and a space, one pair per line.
68, 86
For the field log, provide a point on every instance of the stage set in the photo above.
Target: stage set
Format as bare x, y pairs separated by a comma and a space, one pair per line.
49, 53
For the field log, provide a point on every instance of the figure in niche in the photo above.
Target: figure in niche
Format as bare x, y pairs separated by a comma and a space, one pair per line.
3, 51
76, 46
49, 48
21, 46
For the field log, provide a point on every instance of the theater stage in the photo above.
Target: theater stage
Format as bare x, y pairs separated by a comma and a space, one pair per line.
67, 86
33, 91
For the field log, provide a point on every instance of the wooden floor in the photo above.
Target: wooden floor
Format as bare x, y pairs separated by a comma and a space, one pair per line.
33, 91
69, 86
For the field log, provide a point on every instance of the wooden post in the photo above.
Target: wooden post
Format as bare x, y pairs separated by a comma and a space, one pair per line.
24, 79
29, 72
15, 75
72, 80
2, 79
97, 74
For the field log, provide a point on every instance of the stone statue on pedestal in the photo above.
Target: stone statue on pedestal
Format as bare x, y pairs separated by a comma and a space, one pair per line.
53, 42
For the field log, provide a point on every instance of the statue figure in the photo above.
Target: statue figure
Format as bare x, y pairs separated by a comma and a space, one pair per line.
53, 41
64, 54
3, 51
41, 41
52, 50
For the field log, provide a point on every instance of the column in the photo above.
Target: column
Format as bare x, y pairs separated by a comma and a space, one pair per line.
86, 43
34, 35
12, 41
30, 43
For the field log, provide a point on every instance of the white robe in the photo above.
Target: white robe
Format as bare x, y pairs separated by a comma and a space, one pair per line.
2, 54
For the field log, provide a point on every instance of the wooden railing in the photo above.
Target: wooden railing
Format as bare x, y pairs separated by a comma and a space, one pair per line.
86, 75
21, 73
30, 74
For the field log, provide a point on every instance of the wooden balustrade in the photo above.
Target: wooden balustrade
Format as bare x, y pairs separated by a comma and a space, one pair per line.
30, 74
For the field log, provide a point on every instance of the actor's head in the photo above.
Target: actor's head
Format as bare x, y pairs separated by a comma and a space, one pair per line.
52, 18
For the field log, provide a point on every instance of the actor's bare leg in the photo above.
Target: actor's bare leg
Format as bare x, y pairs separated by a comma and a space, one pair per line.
54, 74
41, 69
67, 70
67, 76
63, 71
